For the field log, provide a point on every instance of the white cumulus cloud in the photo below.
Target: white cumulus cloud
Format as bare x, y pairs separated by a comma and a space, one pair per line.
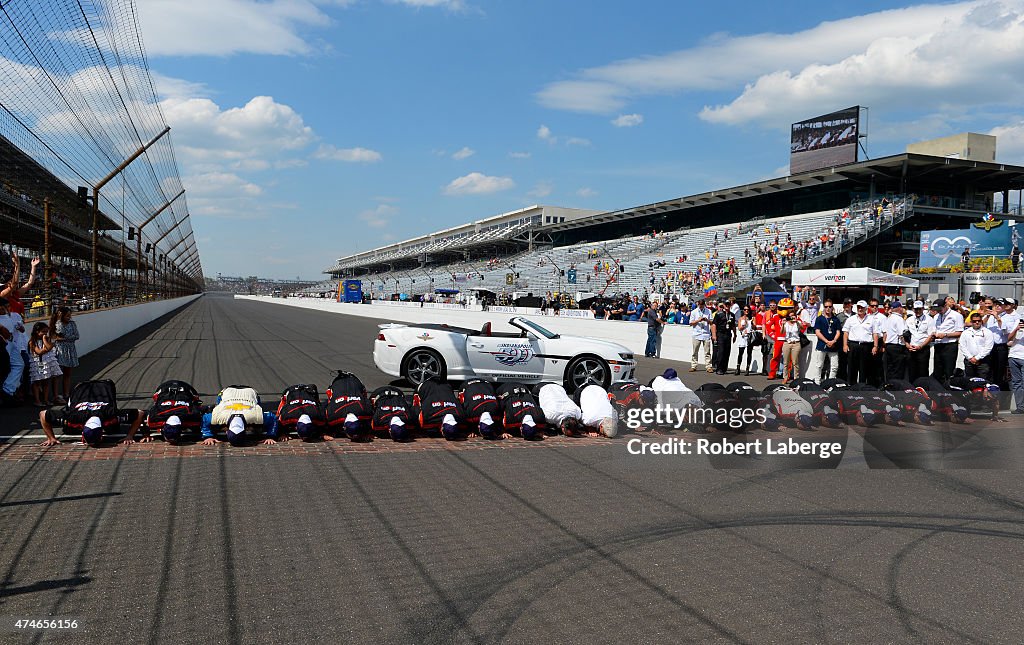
464, 153
351, 155
628, 120
959, 54
1010, 143
586, 192
378, 217
476, 183
519, 155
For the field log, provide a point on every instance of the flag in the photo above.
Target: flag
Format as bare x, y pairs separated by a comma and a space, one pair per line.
710, 289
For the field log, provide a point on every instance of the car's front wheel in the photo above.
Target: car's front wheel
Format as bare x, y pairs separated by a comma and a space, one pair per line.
587, 370
422, 365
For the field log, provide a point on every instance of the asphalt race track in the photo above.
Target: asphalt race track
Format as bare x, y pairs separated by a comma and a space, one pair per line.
437, 542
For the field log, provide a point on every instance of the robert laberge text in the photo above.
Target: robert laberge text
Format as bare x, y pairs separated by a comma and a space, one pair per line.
769, 446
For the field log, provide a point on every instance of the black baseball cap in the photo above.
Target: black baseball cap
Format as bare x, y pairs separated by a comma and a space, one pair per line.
939, 303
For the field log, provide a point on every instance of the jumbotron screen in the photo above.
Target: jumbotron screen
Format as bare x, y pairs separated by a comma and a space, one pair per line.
825, 141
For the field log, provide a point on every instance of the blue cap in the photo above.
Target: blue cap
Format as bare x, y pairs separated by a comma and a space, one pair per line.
648, 396
304, 428
398, 430
92, 431
172, 429
670, 374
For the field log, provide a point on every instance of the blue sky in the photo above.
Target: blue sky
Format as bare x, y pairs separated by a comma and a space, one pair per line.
307, 130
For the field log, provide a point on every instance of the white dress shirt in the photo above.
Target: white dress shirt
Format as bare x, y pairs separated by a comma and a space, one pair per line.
700, 320
1002, 327
976, 343
893, 328
948, 323
595, 405
556, 404
860, 330
920, 328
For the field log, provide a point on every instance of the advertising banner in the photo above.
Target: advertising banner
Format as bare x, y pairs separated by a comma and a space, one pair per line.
944, 248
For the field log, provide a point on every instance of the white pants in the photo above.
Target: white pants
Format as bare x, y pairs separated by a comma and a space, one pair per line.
818, 360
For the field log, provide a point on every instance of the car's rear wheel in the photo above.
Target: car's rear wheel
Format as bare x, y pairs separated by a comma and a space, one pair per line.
422, 365
587, 370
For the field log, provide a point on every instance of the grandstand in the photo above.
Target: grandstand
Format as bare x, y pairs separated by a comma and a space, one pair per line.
861, 214
89, 181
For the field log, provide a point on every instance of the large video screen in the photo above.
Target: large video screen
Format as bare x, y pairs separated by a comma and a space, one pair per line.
825, 141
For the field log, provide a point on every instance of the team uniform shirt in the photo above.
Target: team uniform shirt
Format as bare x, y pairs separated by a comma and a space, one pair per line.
556, 404
976, 343
893, 329
948, 323
921, 327
773, 328
702, 328
596, 406
860, 330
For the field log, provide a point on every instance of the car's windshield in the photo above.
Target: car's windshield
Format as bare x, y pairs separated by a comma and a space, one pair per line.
532, 326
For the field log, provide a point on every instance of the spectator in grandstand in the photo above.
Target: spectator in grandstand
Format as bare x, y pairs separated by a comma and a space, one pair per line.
64, 332
894, 338
976, 343
655, 324
827, 330
949, 325
700, 321
13, 292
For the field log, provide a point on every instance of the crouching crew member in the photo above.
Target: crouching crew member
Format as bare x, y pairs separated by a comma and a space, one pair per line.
348, 407
559, 410
520, 411
392, 413
177, 411
300, 410
629, 401
239, 412
92, 411
437, 409
480, 407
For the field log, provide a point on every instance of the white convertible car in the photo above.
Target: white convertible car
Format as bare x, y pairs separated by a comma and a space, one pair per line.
532, 354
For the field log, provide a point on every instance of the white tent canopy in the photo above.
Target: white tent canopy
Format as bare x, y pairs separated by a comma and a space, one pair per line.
864, 277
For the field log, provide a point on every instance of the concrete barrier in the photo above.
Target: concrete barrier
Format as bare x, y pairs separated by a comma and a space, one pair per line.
97, 328
675, 340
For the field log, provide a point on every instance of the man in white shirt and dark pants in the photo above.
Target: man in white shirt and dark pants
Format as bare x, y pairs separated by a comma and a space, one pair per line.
922, 330
1000, 320
895, 343
859, 342
976, 344
949, 325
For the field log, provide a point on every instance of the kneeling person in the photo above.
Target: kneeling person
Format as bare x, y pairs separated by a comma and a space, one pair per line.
598, 412
177, 411
239, 412
91, 410
559, 410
